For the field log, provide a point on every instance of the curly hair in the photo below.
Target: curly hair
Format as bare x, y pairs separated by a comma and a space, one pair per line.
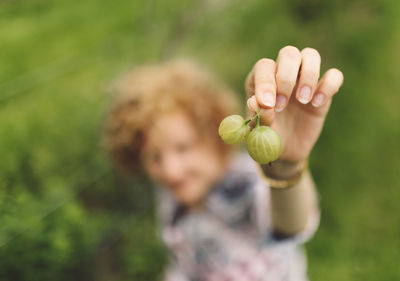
147, 92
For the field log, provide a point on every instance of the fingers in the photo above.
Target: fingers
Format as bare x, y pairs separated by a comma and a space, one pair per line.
261, 89
270, 85
288, 64
309, 74
327, 87
264, 81
266, 115
252, 104
249, 84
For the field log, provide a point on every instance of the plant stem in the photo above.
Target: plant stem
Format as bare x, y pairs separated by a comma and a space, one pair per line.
250, 119
258, 118
254, 117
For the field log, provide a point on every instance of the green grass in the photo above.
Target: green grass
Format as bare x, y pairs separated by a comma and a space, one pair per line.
63, 208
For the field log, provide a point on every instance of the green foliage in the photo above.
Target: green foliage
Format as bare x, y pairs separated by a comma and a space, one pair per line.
65, 214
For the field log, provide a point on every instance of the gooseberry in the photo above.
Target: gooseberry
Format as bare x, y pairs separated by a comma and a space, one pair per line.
233, 129
263, 144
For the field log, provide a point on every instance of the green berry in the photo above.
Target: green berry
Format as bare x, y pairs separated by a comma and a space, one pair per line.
264, 144
233, 129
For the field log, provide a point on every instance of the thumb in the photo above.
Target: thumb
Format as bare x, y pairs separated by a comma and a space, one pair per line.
267, 115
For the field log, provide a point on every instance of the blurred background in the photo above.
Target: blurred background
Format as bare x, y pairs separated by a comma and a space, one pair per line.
65, 214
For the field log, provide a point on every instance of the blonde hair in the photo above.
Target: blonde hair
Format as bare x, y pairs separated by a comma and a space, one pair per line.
147, 92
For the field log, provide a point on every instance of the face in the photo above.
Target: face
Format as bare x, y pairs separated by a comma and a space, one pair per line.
175, 157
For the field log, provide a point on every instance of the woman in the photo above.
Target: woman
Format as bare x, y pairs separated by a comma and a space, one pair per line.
223, 216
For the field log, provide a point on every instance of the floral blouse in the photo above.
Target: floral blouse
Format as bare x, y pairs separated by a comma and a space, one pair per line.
231, 237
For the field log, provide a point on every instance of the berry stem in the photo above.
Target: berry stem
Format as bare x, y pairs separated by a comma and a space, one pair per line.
258, 118
254, 117
250, 119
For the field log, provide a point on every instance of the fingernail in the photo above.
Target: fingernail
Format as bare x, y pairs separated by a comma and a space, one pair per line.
305, 95
280, 103
268, 99
318, 99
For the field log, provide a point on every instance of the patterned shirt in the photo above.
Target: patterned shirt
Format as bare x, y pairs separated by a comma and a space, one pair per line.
231, 237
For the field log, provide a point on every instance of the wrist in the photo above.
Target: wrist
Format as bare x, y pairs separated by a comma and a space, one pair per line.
284, 170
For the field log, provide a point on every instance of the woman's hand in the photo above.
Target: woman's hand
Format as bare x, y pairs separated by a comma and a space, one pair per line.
292, 100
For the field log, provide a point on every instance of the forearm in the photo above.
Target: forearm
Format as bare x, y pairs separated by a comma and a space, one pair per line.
291, 207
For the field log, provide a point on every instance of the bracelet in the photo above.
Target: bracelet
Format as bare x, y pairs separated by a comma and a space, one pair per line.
279, 183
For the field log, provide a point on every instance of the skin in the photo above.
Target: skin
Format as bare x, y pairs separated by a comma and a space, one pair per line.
288, 92
189, 167
183, 163
270, 85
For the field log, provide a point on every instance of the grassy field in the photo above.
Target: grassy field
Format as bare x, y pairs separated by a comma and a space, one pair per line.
64, 212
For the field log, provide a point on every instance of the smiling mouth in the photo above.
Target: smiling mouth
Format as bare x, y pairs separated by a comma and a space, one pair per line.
178, 186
